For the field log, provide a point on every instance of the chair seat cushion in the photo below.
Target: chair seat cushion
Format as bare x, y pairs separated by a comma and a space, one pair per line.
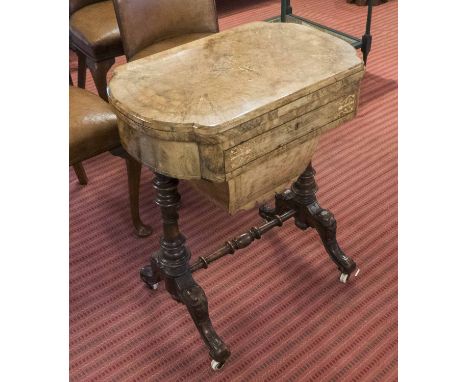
93, 126
94, 30
168, 44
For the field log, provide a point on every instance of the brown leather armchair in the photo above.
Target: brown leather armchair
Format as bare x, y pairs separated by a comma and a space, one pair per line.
151, 26
95, 37
93, 130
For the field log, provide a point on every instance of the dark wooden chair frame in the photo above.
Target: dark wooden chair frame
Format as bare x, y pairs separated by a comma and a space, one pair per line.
133, 176
98, 66
98, 69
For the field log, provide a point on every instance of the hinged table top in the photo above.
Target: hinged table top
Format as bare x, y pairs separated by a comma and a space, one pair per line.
220, 81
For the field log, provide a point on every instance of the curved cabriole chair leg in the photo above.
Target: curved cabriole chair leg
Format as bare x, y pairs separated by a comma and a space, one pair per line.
80, 173
134, 173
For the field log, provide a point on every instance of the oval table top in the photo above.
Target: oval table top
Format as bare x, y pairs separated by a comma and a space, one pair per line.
223, 80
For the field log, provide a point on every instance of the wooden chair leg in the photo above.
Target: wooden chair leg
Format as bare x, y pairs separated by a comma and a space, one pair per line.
133, 173
80, 173
99, 72
81, 69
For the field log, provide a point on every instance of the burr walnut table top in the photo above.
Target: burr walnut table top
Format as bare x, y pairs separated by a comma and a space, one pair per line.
212, 84
238, 112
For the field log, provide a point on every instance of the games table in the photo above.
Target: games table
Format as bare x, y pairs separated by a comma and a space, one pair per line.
223, 113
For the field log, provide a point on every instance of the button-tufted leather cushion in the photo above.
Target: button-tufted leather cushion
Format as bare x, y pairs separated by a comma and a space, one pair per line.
94, 30
168, 44
93, 126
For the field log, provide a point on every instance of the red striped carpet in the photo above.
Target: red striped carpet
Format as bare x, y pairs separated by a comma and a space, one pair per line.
277, 304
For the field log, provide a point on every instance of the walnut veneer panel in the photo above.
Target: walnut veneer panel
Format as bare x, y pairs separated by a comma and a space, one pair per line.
243, 107
227, 78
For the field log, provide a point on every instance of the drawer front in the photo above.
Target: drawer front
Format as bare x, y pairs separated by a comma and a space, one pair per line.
310, 121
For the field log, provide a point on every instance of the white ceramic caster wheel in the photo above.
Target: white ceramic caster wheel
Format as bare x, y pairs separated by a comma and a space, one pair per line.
154, 286
344, 277
215, 365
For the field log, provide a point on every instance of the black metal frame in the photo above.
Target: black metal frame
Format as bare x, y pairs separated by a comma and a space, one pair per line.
363, 43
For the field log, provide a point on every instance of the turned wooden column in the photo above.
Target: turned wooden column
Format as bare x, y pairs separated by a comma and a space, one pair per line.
171, 264
173, 256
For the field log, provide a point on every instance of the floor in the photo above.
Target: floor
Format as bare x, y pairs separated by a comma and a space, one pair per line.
277, 304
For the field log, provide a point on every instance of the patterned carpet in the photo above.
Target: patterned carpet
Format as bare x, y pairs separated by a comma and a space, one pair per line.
277, 304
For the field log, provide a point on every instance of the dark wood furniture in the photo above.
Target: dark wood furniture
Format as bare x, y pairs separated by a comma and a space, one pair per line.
95, 37
93, 131
222, 113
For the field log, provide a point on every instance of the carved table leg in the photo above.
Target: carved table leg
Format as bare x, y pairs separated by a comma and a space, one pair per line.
171, 264
302, 198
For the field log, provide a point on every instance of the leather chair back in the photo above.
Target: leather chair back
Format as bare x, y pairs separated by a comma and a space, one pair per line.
74, 5
145, 22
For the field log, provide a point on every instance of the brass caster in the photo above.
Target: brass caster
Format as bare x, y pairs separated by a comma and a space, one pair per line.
344, 277
215, 365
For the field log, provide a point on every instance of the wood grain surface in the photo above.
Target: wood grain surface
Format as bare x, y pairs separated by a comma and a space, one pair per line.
233, 108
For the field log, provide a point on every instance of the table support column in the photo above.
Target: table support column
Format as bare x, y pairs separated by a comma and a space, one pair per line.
301, 197
171, 264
